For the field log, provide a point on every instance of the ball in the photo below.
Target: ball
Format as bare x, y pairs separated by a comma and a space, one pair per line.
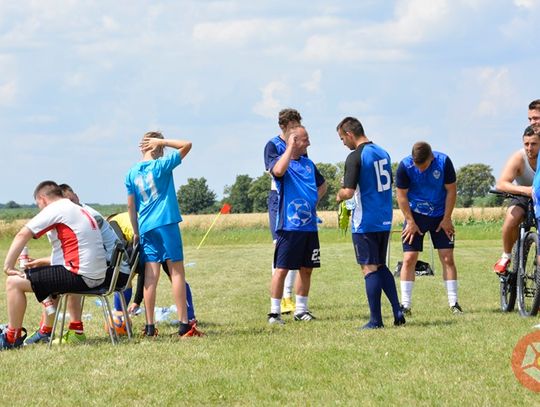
118, 323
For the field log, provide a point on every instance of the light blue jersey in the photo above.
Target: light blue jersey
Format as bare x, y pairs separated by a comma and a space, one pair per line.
536, 194
368, 170
298, 195
152, 184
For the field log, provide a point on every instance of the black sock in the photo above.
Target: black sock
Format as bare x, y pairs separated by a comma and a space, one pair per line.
150, 330
184, 328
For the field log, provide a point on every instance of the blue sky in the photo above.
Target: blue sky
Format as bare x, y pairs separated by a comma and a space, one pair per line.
81, 82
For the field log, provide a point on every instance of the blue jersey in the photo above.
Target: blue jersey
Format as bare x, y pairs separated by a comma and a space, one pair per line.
368, 170
272, 151
152, 184
426, 189
536, 194
297, 191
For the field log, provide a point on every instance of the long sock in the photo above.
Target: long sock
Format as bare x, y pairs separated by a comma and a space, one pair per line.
451, 291
127, 297
390, 290
373, 292
76, 326
275, 305
190, 306
43, 327
406, 293
13, 334
289, 283
301, 304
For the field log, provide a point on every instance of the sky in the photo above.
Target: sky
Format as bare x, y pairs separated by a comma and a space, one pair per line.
81, 82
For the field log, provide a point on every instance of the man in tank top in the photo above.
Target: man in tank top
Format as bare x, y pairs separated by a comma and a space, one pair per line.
517, 178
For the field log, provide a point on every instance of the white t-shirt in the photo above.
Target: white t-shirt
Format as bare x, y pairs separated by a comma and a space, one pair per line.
75, 238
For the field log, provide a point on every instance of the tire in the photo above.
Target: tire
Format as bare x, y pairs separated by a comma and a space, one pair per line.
528, 280
508, 286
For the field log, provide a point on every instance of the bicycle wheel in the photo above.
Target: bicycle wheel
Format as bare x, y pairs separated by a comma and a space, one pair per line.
527, 280
508, 285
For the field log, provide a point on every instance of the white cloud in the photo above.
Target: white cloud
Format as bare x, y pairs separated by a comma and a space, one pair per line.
8, 93
273, 95
313, 84
528, 4
496, 91
237, 32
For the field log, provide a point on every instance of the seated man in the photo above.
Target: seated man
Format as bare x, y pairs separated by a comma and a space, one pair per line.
517, 178
75, 331
77, 262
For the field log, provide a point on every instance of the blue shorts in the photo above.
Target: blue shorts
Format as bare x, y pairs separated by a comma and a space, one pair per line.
428, 224
297, 249
162, 243
273, 203
370, 248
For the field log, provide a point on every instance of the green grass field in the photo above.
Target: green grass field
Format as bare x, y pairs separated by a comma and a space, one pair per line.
436, 359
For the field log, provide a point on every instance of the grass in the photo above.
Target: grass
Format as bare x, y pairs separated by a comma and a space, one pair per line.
436, 359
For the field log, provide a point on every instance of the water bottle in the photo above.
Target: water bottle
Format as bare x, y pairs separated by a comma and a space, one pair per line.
23, 258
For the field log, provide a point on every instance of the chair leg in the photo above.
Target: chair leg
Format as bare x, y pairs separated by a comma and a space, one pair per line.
125, 313
56, 315
107, 313
65, 297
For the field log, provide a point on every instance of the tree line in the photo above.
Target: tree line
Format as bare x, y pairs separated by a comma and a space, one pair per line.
249, 194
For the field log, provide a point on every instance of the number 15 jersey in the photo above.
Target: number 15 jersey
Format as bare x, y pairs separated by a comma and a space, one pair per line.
368, 170
152, 184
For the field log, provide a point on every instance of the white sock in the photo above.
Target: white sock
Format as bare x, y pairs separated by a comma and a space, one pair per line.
289, 283
451, 290
275, 305
301, 304
406, 293
506, 255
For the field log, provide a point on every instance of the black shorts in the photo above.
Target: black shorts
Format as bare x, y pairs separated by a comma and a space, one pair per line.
370, 248
521, 201
297, 249
428, 224
50, 280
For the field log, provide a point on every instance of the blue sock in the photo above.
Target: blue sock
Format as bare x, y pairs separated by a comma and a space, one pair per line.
373, 291
190, 306
127, 297
389, 288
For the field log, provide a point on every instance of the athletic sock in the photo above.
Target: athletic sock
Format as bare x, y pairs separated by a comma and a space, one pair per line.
289, 283
184, 328
13, 334
451, 291
506, 256
275, 305
189, 300
389, 288
406, 293
127, 296
43, 327
301, 304
373, 292
149, 329
76, 326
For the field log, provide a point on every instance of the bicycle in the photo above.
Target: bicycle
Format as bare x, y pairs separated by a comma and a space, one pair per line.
522, 281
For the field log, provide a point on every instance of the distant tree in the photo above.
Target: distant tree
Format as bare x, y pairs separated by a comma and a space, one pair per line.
258, 192
12, 205
332, 174
237, 194
394, 196
473, 181
195, 196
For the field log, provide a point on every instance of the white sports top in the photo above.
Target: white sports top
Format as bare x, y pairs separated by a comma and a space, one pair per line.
525, 179
74, 236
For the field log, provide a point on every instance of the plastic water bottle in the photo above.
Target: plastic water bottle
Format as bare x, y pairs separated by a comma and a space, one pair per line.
48, 303
23, 258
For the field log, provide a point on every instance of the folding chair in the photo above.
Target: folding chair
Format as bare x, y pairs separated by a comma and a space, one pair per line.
133, 262
102, 292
